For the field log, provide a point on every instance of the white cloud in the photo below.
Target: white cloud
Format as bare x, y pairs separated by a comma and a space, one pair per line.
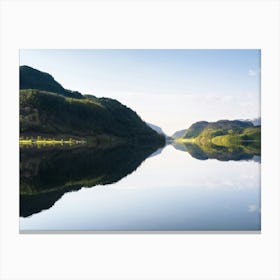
253, 72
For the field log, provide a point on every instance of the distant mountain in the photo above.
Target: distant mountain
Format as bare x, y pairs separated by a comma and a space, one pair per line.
31, 78
179, 134
222, 140
223, 132
47, 109
212, 129
156, 128
255, 122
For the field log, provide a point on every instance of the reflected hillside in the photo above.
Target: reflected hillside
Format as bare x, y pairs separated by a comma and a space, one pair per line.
244, 151
46, 174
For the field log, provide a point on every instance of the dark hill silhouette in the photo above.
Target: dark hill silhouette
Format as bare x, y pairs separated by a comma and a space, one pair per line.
49, 110
31, 78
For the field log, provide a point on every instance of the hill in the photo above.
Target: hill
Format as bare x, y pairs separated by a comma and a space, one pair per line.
48, 110
156, 128
179, 134
30, 78
223, 132
255, 122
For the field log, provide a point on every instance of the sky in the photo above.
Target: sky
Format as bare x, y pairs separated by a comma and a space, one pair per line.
168, 88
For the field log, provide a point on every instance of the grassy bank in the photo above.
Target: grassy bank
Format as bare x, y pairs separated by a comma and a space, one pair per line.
49, 141
227, 139
102, 141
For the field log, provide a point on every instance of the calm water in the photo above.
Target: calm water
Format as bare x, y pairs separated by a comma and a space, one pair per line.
179, 187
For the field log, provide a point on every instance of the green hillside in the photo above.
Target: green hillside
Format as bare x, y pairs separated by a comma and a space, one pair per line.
195, 129
51, 111
222, 132
247, 134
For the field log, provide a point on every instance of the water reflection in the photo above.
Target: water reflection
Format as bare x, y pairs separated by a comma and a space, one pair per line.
243, 151
46, 174
174, 189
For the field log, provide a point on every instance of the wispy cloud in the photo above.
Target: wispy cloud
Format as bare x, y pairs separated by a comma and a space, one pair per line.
253, 72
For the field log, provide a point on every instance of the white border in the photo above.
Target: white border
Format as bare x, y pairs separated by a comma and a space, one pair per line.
145, 24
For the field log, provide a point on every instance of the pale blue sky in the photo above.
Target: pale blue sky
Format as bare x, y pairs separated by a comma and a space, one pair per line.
169, 88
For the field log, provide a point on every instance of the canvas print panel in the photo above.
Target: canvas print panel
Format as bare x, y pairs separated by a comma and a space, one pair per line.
140, 140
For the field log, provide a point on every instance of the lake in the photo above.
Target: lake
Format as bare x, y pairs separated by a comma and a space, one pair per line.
175, 188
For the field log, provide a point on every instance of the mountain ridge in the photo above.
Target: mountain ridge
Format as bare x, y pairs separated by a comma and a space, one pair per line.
62, 113
156, 128
178, 134
31, 78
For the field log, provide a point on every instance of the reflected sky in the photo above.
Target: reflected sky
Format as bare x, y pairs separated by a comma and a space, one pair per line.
169, 191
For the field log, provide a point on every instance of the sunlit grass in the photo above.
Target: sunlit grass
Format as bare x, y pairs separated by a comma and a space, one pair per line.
84, 101
25, 142
44, 142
